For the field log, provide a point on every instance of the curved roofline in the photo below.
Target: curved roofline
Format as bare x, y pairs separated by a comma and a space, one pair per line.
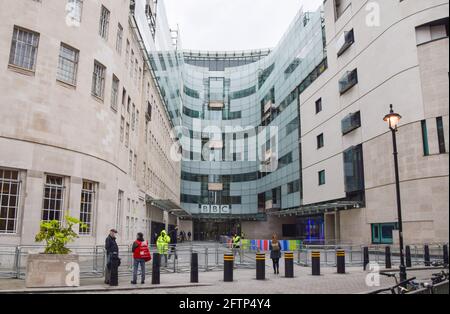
226, 54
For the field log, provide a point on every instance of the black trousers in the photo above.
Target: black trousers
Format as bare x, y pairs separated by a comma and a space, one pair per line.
276, 264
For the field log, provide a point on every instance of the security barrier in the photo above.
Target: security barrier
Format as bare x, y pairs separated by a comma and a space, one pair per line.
13, 259
289, 264
315, 264
340, 257
260, 266
228, 262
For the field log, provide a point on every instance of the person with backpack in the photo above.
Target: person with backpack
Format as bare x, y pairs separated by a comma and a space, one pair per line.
275, 254
141, 255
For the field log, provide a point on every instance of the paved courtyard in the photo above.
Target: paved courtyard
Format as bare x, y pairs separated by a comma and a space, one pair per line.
245, 283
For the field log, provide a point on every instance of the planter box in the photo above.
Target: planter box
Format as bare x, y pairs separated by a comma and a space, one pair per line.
48, 271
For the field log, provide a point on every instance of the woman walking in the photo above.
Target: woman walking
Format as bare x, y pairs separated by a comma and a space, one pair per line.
275, 254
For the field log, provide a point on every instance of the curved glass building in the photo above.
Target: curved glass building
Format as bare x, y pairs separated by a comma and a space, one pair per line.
238, 119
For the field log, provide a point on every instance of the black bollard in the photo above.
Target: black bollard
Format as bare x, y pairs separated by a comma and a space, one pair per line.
156, 272
289, 265
260, 266
445, 251
408, 256
427, 255
194, 268
228, 265
366, 257
114, 274
340, 261
388, 257
315, 263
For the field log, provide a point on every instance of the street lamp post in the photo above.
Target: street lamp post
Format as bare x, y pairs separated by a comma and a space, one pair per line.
393, 119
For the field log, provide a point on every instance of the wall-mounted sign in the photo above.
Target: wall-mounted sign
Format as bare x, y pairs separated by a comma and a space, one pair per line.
215, 209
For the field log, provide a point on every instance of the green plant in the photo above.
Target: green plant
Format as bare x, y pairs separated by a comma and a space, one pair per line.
57, 236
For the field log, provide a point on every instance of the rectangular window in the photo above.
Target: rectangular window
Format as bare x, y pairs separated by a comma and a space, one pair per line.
68, 64
318, 105
441, 135
292, 126
322, 177
75, 8
9, 200
98, 80
426, 147
348, 80
104, 23
122, 128
133, 117
130, 163
119, 38
351, 122
87, 207
293, 187
345, 41
320, 141
24, 48
124, 98
383, 233
119, 211
132, 63
127, 135
53, 198
354, 169
115, 92
127, 57
135, 166
137, 119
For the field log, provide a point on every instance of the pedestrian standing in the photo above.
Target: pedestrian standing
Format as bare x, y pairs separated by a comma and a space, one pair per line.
275, 254
141, 255
112, 249
163, 245
173, 242
189, 235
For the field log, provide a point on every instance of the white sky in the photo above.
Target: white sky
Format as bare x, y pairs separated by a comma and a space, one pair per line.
233, 24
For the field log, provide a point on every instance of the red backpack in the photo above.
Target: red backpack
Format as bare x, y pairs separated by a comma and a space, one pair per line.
142, 251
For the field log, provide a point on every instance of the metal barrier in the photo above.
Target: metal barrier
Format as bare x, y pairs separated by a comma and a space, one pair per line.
13, 259
354, 254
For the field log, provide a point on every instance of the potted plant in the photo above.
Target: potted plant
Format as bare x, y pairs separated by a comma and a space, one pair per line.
56, 267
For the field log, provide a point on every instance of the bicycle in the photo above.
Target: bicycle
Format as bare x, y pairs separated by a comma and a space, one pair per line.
400, 288
404, 287
439, 277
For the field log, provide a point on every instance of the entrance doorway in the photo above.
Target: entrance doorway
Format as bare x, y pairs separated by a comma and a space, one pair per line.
211, 230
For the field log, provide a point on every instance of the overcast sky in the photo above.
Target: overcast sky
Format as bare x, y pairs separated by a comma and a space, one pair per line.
233, 24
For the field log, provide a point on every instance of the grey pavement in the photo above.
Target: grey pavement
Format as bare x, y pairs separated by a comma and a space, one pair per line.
245, 283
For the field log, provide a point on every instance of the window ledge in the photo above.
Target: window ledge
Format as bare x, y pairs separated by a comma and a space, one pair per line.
97, 98
21, 70
65, 84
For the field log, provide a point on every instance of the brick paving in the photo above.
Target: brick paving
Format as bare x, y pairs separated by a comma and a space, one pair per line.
245, 283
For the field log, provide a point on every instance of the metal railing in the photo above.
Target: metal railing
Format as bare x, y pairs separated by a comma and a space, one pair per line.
13, 259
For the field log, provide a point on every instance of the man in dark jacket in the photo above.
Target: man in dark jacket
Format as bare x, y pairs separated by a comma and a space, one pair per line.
173, 242
111, 248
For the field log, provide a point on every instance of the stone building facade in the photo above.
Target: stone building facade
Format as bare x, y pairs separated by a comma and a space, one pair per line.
83, 126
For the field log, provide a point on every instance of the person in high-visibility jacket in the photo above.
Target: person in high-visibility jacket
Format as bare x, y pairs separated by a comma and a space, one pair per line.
236, 243
162, 243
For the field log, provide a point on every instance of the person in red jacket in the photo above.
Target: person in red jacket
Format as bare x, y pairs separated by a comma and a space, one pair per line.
141, 255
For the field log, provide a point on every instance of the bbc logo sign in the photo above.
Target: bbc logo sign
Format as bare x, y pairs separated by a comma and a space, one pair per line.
215, 209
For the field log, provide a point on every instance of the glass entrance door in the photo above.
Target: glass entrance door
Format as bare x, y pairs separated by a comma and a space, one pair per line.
205, 230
